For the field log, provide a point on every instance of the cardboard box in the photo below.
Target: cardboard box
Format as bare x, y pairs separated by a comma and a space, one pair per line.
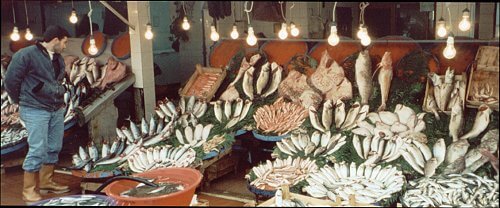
483, 82
429, 91
199, 84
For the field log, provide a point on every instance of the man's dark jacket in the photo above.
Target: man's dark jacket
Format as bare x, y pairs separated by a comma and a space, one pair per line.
33, 80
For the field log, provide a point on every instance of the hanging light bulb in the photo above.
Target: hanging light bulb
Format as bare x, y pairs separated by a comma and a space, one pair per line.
365, 41
73, 18
283, 34
15, 34
294, 30
214, 35
465, 23
333, 39
449, 52
251, 39
93, 48
441, 28
185, 23
28, 34
362, 32
234, 33
149, 33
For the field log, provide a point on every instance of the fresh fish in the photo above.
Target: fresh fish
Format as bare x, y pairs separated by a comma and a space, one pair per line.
182, 104
244, 67
446, 89
313, 116
206, 131
239, 107
144, 127
456, 121
454, 97
190, 104
231, 93
432, 105
105, 149
263, 78
357, 146
385, 78
136, 133
363, 68
246, 108
218, 110
480, 123
456, 150
114, 146
152, 125
248, 83
351, 116
83, 155
227, 109
430, 167
437, 82
277, 76
339, 113
170, 105
327, 115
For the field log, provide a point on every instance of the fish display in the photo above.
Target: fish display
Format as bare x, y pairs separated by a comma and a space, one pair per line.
316, 145
80, 200
194, 137
142, 190
385, 78
364, 76
457, 190
280, 117
369, 184
232, 117
161, 157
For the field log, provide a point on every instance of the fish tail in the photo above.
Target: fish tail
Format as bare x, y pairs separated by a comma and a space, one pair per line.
381, 107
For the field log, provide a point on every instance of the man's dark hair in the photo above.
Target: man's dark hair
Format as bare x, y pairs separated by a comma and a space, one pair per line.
54, 31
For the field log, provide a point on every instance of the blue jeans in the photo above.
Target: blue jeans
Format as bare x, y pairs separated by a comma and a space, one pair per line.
45, 136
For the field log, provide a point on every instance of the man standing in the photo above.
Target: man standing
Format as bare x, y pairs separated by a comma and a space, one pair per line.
34, 81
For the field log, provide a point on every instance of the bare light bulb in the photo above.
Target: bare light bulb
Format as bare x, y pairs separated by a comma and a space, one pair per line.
464, 25
73, 18
283, 34
251, 39
234, 33
148, 34
93, 48
185, 24
15, 34
441, 29
362, 32
449, 52
333, 39
28, 34
365, 41
294, 31
214, 35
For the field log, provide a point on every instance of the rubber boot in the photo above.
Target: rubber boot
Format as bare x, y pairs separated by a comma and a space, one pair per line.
30, 195
46, 182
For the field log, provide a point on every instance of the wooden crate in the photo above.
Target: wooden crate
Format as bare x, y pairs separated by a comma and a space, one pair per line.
429, 91
199, 79
221, 167
484, 72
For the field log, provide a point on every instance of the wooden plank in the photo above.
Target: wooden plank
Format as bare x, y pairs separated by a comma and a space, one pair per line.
91, 110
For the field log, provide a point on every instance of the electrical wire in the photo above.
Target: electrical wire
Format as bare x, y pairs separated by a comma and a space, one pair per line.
90, 19
291, 7
26, 10
184, 8
449, 17
248, 10
333, 15
362, 7
282, 14
13, 12
72, 4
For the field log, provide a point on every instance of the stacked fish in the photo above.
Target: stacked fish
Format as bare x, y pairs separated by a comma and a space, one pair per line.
343, 122
462, 190
231, 93
271, 176
213, 144
194, 138
13, 135
190, 110
368, 184
86, 68
317, 145
133, 139
10, 115
161, 157
279, 118
444, 94
241, 109
73, 97
273, 71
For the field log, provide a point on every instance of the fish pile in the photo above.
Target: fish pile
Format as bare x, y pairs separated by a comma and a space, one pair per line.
188, 111
142, 190
296, 88
13, 135
241, 109
204, 83
445, 92
280, 117
271, 175
474, 159
368, 184
269, 78
331, 80
10, 115
231, 93
457, 190
343, 121
73, 97
161, 157
213, 144
196, 137
124, 145
317, 145
98, 77
81, 200
484, 93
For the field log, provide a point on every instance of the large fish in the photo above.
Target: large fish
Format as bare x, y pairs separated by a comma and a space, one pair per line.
248, 83
263, 78
446, 89
385, 78
277, 74
456, 120
437, 82
363, 76
481, 122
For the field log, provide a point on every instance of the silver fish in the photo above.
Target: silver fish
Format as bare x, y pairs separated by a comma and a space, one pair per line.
248, 83
190, 104
93, 151
263, 78
363, 68
430, 167
480, 123
327, 115
227, 109
182, 104
456, 150
446, 89
218, 110
277, 76
105, 149
339, 113
432, 105
456, 121
437, 82
313, 116
246, 108
385, 78
152, 125
144, 127
136, 132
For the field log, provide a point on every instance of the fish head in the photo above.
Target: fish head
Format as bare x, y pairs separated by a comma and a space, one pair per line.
448, 78
484, 109
254, 59
363, 55
386, 60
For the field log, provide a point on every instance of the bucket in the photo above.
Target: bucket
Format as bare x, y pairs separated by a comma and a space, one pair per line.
190, 178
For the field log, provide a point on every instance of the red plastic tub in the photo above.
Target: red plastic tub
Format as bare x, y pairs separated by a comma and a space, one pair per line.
188, 177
